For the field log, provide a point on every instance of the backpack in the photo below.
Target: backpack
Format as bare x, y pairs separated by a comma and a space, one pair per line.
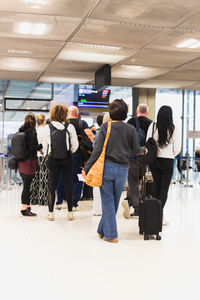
140, 133
58, 142
85, 145
152, 147
18, 145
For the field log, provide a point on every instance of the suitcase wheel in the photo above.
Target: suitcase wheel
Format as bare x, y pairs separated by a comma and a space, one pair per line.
146, 237
158, 237
140, 232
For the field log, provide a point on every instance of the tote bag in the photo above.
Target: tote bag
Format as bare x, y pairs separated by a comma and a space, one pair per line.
95, 175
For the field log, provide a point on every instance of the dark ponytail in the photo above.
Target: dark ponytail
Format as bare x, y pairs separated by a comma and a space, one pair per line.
165, 125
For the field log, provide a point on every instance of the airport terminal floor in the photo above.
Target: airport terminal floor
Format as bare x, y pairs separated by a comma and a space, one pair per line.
66, 260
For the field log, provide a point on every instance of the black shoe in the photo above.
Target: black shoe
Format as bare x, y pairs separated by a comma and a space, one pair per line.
29, 208
27, 213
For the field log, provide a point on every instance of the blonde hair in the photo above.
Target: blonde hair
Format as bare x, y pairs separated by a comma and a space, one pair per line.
59, 113
40, 119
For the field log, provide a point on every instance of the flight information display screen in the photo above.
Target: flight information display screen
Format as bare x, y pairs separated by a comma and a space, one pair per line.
92, 98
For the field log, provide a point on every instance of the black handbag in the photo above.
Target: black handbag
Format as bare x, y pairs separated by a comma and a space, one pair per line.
152, 147
12, 164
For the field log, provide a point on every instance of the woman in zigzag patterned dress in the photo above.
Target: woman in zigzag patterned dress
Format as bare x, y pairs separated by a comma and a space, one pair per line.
39, 186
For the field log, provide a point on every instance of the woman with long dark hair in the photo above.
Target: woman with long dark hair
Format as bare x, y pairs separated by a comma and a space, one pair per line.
27, 165
167, 137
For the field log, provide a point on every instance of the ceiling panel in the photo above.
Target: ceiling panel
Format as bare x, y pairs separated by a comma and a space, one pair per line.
94, 53
71, 77
117, 34
73, 66
29, 48
172, 39
136, 72
160, 58
124, 81
152, 12
71, 8
26, 26
192, 75
156, 83
19, 75
23, 64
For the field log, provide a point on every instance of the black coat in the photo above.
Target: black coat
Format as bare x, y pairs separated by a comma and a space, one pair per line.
31, 142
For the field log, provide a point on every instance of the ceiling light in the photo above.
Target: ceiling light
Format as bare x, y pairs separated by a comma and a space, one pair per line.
64, 79
18, 51
36, 2
86, 56
39, 28
31, 28
93, 46
140, 72
186, 43
195, 45
25, 28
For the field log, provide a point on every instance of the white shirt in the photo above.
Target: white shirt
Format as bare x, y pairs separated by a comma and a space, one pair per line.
45, 137
174, 146
39, 130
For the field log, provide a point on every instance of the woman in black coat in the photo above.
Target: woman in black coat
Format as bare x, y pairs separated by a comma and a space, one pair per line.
27, 165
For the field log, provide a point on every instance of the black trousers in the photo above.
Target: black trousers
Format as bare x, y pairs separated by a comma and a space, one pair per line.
27, 180
162, 174
136, 171
55, 167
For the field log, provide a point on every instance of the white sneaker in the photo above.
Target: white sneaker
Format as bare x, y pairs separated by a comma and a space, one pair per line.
58, 206
70, 216
64, 205
126, 212
50, 217
77, 208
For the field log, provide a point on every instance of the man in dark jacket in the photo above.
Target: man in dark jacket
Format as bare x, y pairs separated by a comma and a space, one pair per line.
137, 164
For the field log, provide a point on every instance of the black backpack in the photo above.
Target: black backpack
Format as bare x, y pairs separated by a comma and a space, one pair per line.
152, 147
140, 133
58, 142
18, 145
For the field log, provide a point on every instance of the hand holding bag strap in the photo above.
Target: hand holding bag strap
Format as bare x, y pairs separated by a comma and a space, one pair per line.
95, 175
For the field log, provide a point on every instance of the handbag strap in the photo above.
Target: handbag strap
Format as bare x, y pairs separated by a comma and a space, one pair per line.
153, 129
137, 123
107, 137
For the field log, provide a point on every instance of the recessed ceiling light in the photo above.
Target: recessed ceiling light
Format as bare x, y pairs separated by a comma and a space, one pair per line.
86, 56
186, 43
93, 46
19, 51
36, 2
65, 79
39, 28
25, 28
195, 45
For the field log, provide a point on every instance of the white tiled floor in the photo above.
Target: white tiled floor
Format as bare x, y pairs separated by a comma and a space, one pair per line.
66, 260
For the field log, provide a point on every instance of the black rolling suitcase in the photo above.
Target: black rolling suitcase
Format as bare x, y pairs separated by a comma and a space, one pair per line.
150, 216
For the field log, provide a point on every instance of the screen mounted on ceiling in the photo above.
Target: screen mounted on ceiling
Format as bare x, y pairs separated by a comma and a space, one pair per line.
93, 98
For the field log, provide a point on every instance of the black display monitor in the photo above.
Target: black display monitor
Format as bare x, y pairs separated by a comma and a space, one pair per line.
93, 98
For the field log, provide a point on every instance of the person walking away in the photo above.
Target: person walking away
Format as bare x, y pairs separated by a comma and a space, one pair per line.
39, 185
60, 138
122, 140
81, 127
167, 136
27, 165
137, 166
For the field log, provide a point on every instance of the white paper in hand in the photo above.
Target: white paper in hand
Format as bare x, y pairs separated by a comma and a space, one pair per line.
80, 177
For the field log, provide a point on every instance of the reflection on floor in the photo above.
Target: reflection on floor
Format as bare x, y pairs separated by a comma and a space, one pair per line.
66, 260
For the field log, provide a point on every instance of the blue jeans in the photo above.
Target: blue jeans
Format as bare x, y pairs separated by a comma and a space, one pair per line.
77, 185
114, 179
